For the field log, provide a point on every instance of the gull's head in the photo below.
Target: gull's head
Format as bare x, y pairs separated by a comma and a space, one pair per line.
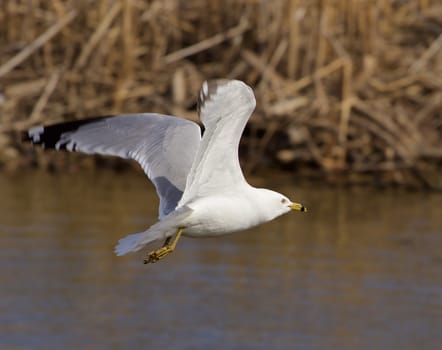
277, 204
287, 205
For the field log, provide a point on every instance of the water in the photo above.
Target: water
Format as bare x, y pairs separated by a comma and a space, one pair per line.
360, 270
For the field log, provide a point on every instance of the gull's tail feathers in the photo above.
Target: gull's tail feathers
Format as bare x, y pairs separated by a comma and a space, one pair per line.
136, 241
133, 243
162, 229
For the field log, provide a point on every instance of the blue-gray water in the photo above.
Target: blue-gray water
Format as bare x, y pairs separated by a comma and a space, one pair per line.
360, 270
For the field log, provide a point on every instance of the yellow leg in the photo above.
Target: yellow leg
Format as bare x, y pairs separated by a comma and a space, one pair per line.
167, 248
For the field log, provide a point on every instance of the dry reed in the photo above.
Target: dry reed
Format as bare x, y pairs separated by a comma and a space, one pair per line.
349, 87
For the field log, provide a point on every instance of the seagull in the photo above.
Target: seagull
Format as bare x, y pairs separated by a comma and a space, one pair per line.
202, 190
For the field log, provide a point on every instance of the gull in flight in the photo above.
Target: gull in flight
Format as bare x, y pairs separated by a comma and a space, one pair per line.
202, 189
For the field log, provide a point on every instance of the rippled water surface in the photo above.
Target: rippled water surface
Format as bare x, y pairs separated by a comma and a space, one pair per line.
361, 270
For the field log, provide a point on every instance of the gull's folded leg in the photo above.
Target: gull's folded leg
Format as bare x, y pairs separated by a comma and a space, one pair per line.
167, 248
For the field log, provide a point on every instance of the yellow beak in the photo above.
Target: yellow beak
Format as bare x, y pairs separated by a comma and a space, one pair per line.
297, 206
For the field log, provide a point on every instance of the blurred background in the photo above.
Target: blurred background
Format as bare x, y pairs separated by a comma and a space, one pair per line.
346, 89
348, 122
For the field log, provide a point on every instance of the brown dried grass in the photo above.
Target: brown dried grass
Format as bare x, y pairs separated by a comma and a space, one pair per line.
347, 86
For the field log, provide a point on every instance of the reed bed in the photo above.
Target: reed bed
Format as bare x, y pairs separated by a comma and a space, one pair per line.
347, 90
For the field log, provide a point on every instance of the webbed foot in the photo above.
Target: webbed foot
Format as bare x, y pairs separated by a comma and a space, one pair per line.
167, 248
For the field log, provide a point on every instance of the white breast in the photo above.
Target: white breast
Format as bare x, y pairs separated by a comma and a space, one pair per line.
221, 214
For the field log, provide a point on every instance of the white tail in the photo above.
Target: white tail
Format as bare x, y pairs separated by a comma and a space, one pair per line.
130, 244
136, 241
160, 230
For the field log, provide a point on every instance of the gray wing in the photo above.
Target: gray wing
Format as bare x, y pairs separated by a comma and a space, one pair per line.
224, 108
164, 146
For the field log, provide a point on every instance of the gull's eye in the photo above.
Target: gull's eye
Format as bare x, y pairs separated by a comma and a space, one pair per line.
283, 201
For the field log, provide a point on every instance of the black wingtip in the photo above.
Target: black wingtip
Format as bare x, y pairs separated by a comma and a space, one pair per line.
208, 89
49, 136
33, 135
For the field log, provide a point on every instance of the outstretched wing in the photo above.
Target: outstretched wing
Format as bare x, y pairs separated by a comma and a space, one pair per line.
224, 107
165, 146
